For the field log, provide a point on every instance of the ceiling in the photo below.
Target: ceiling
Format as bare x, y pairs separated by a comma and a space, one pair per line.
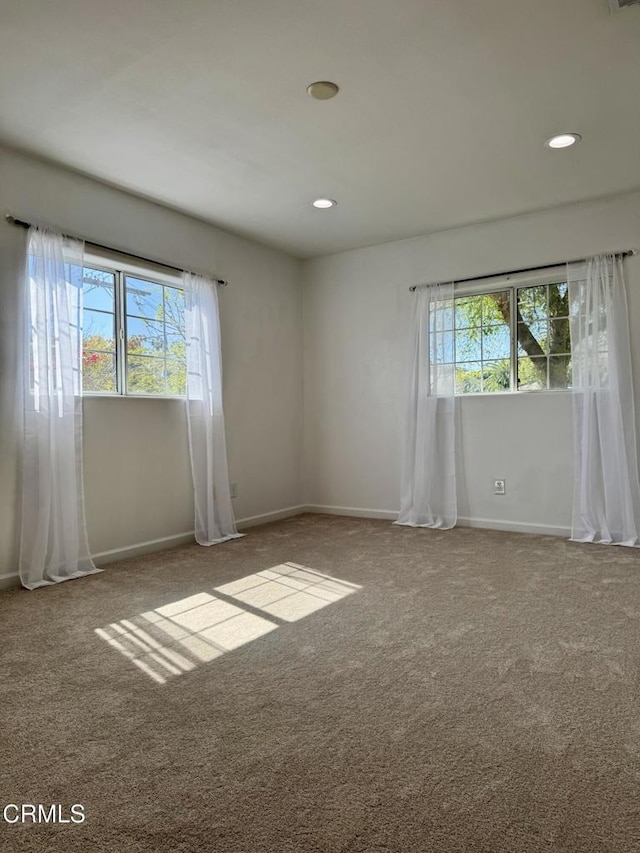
440, 120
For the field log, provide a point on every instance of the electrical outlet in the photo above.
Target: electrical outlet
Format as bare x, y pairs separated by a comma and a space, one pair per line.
233, 489
498, 487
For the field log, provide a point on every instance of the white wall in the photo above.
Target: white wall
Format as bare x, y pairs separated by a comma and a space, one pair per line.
356, 309
137, 476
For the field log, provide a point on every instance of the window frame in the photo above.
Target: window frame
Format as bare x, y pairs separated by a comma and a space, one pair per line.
122, 266
512, 282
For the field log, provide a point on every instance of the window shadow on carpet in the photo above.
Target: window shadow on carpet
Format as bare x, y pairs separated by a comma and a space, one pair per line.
177, 637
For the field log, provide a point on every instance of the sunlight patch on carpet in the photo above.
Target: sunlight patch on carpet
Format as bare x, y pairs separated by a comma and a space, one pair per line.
174, 638
288, 591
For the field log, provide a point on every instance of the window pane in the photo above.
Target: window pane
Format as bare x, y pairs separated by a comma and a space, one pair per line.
469, 378
560, 371
496, 375
98, 330
532, 303
561, 288
176, 377
496, 341
98, 371
98, 289
144, 298
603, 369
559, 336
496, 306
145, 336
156, 339
558, 300
145, 375
483, 342
530, 334
441, 347
468, 311
532, 374
468, 345
177, 346
442, 379
174, 311
441, 316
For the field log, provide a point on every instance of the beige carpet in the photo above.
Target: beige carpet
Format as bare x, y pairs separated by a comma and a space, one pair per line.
460, 691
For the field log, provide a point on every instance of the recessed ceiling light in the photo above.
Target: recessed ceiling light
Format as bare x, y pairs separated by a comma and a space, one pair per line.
563, 140
324, 203
322, 90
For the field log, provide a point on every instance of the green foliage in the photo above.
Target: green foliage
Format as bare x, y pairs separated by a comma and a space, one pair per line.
98, 365
497, 375
156, 374
493, 376
479, 315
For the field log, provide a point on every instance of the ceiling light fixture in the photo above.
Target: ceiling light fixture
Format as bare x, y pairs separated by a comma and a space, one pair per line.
322, 90
563, 140
324, 203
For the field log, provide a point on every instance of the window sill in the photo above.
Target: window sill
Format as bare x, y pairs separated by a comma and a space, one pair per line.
108, 396
487, 395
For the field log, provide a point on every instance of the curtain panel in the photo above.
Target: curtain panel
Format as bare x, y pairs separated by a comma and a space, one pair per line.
53, 541
606, 502
428, 482
214, 519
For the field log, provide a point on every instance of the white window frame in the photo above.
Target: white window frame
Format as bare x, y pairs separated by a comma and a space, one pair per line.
121, 266
511, 282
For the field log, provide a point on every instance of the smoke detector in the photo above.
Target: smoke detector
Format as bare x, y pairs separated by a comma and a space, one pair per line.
616, 5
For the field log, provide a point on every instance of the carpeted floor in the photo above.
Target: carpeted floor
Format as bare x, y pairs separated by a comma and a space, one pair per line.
451, 691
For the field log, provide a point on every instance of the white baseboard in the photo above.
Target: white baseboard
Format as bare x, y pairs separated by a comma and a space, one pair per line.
187, 537
516, 526
266, 517
486, 523
355, 512
9, 581
141, 548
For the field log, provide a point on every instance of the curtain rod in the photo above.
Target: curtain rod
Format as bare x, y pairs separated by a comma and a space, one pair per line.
22, 224
524, 269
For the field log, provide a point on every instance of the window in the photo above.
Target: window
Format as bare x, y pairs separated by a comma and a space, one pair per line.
510, 339
134, 338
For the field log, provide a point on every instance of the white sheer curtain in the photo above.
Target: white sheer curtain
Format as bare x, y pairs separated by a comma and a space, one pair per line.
606, 502
207, 446
53, 542
428, 485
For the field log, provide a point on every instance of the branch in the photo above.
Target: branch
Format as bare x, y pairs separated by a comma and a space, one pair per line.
525, 336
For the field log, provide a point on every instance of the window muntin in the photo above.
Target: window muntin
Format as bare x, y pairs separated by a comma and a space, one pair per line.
134, 339
510, 339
